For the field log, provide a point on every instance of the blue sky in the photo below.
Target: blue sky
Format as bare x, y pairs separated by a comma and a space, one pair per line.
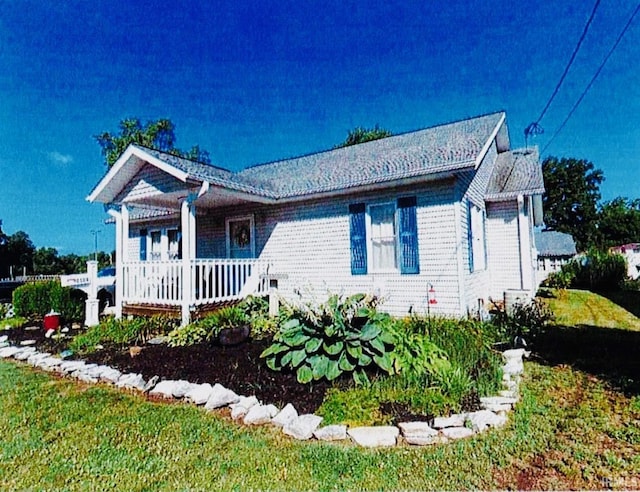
256, 81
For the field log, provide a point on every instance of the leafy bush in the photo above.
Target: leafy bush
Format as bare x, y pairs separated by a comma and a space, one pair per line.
562, 279
527, 320
209, 327
596, 271
343, 335
120, 332
257, 311
36, 299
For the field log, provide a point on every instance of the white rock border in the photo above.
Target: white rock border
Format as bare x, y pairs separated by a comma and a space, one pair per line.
250, 411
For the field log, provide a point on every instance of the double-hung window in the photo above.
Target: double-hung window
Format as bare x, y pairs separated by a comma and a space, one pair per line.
160, 244
384, 237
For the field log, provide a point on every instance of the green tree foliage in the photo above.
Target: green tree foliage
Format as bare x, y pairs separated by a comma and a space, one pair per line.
16, 253
570, 202
619, 222
360, 135
157, 135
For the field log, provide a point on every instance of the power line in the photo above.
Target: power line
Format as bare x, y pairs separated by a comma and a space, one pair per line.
595, 76
535, 128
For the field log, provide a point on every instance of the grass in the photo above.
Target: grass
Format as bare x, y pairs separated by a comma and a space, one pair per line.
581, 307
571, 430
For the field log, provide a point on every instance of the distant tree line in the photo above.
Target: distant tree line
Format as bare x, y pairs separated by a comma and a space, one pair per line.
18, 254
572, 205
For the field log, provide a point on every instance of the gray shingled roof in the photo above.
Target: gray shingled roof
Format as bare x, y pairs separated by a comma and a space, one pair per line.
516, 172
554, 243
443, 148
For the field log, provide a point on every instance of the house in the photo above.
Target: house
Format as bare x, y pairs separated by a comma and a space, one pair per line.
439, 219
554, 250
631, 253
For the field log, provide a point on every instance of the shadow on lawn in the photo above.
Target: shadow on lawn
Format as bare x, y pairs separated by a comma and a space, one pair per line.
610, 353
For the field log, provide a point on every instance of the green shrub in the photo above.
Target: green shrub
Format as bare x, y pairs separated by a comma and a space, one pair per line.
562, 279
527, 320
596, 271
184, 336
35, 299
120, 332
343, 335
208, 328
257, 311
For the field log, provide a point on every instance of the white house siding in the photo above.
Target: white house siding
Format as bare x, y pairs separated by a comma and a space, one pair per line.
310, 243
149, 181
503, 247
210, 240
472, 187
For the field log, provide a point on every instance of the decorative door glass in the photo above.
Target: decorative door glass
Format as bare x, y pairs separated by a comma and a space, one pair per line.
240, 238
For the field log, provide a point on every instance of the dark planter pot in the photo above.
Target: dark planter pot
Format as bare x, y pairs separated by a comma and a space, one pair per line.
234, 336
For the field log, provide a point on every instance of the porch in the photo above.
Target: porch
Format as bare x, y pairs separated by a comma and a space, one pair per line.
188, 287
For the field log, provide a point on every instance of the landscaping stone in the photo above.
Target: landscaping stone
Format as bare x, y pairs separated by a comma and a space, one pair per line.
302, 427
9, 351
483, 419
455, 420
49, 363
32, 328
4, 344
373, 437
331, 433
34, 359
159, 340
85, 377
24, 353
70, 366
456, 432
164, 388
513, 367
509, 394
242, 407
199, 393
419, 433
220, 397
27, 343
260, 414
151, 384
497, 403
3, 338
285, 416
131, 381
181, 388
110, 375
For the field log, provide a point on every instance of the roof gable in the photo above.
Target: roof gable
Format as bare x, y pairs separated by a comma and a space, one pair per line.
554, 243
515, 172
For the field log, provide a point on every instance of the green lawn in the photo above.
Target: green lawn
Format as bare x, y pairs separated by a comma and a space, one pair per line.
572, 430
581, 307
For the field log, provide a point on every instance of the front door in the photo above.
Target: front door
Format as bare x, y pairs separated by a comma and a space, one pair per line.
240, 240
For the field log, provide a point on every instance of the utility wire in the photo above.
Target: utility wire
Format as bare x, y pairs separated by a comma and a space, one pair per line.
535, 128
595, 76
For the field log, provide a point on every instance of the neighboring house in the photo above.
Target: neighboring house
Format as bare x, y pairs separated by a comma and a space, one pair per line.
631, 252
554, 250
440, 218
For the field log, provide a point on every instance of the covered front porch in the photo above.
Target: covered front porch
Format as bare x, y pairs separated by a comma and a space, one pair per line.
163, 263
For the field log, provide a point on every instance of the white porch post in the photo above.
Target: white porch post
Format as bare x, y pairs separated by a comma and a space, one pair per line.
92, 308
122, 236
188, 219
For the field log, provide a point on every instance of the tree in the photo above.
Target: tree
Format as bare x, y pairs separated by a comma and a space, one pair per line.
17, 254
619, 222
570, 202
47, 262
360, 135
157, 135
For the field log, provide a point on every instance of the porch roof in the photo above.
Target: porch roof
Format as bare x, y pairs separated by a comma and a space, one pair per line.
516, 172
423, 154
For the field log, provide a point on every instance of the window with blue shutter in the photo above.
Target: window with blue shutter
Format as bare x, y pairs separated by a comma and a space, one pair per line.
143, 245
408, 235
358, 232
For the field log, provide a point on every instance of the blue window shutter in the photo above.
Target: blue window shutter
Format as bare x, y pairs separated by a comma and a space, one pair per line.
408, 235
143, 245
358, 232
470, 236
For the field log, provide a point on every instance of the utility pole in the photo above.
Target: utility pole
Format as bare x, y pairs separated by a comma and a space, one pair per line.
95, 243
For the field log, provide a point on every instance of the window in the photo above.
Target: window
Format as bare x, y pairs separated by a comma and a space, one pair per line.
384, 237
477, 238
160, 244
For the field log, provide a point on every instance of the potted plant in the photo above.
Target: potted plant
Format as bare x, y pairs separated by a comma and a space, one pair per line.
229, 325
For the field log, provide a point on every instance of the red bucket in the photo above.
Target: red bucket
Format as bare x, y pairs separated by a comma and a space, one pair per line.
52, 321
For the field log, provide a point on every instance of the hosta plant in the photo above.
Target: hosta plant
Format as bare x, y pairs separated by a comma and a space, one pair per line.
343, 335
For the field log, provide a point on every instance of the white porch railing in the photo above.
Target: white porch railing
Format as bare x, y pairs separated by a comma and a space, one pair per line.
212, 280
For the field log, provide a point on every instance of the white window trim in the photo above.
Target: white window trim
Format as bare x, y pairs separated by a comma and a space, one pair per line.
369, 236
252, 232
477, 223
164, 242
